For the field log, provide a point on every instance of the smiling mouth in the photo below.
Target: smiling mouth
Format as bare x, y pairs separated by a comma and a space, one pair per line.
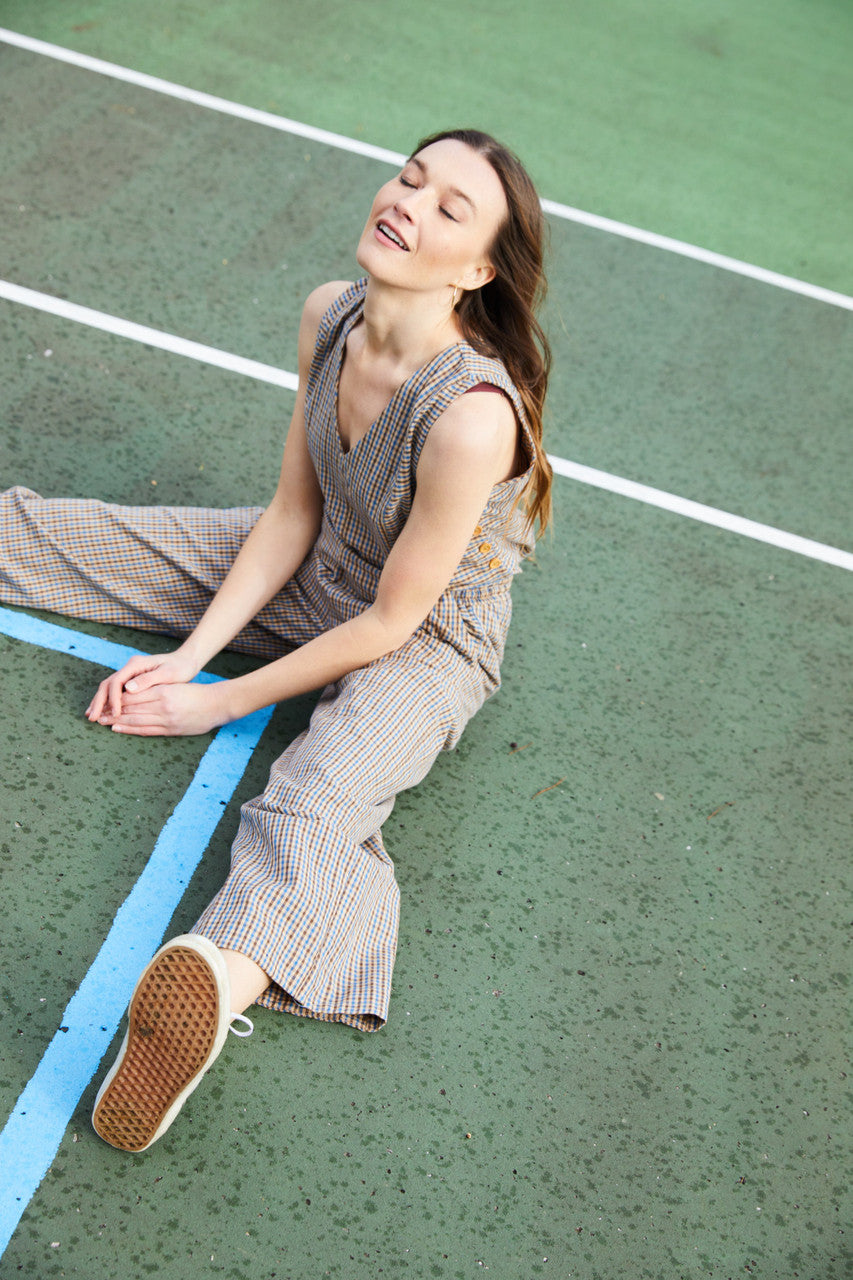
392, 235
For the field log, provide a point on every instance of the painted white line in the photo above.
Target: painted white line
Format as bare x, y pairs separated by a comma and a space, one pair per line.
816, 292
573, 470
324, 136
154, 83
707, 515
151, 337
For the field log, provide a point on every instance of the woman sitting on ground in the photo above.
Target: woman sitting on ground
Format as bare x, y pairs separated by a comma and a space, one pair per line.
413, 475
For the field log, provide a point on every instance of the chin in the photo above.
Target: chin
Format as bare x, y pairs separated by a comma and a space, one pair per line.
376, 264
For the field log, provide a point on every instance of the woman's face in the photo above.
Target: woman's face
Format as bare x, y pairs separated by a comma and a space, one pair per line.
431, 227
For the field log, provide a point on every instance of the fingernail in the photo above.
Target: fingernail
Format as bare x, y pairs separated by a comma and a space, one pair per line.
131, 687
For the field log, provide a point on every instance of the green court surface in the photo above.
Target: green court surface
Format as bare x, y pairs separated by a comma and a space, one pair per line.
616, 1047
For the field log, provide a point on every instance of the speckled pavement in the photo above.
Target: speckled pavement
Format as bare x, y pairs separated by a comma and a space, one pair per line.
616, 1048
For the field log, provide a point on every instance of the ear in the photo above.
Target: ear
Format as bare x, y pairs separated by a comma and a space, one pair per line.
477, 277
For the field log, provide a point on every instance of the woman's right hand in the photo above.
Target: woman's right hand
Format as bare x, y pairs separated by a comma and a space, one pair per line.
137, 675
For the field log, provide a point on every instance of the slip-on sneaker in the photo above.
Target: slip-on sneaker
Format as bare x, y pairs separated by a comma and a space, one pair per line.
177, 1023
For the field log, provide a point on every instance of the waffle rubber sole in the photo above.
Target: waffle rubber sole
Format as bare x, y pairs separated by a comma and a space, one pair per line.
177, 1023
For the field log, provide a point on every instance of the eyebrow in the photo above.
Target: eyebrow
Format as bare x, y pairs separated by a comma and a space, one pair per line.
454, 191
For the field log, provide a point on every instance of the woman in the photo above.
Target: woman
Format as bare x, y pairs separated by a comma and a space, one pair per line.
412, 476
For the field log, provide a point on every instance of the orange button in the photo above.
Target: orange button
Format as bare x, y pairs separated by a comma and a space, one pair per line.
485, 547
495, 564
478, 531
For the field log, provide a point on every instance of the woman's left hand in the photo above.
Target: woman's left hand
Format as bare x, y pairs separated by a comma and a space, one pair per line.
170, 710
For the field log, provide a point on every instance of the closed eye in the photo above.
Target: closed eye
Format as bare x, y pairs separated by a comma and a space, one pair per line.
407, 182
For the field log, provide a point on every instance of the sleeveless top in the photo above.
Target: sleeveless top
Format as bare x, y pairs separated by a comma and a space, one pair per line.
368, 490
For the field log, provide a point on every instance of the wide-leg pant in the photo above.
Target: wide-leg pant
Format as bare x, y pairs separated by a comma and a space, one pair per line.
311, 895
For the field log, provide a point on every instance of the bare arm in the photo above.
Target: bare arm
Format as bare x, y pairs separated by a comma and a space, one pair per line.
272, 553
470, 448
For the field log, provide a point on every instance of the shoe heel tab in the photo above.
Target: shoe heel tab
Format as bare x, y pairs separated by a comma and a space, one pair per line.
241, 1017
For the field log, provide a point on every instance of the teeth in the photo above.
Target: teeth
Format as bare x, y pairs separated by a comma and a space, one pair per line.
392, 235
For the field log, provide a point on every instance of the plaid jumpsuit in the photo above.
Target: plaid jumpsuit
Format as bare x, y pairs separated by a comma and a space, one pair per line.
311, 895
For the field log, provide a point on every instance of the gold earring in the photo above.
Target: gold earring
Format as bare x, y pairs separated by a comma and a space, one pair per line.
455, 297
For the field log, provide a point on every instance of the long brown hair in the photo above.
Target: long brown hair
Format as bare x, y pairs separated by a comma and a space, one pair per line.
499, 319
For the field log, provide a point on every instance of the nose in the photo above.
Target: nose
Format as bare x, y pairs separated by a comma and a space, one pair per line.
406, 204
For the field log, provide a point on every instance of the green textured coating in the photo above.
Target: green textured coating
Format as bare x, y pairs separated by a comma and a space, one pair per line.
668, 371
726, 125
616, 1042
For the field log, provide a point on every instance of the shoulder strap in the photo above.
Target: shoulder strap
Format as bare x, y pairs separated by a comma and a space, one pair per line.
346, 307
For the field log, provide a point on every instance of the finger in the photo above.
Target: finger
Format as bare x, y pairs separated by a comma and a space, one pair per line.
96, 706
136, 666
155, 702
140, 731
103, 700
139, 716
145, 680
157, 711
108, 703
115, 684
100, 700
148, 698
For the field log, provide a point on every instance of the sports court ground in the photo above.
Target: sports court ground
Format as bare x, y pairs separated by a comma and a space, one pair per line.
618, 1034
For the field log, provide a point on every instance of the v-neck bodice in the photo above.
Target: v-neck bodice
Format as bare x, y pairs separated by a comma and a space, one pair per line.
390, 402
368, 489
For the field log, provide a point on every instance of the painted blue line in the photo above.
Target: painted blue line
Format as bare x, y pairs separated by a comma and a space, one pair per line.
49, 635
34, 1130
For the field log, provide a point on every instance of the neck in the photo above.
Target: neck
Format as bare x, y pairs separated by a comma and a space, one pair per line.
405, 326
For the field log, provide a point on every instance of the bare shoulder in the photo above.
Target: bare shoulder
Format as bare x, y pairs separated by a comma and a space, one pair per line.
320, 299
476, 437
316, 305
477, 425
